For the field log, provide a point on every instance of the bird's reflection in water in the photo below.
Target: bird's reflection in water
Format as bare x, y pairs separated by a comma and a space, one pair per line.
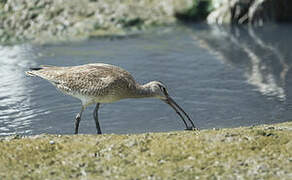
15, 111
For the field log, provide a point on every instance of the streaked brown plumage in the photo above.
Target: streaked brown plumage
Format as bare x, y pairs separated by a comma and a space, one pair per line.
102, 83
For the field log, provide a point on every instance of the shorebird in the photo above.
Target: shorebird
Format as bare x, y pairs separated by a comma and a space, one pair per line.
103, 83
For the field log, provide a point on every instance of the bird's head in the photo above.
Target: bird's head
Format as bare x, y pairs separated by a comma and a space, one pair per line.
159, 90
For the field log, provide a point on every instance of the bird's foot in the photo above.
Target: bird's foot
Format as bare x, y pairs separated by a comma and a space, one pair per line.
194, 129
191, 128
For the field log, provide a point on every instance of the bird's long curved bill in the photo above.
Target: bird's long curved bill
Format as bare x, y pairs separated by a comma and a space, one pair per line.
179, 110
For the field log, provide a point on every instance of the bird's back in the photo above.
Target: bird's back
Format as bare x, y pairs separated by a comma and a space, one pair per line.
101, 82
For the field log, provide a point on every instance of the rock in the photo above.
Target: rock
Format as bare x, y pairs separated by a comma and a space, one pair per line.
255, 12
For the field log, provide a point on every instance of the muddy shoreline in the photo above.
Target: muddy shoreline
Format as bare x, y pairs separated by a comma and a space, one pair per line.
46, 21
62, 20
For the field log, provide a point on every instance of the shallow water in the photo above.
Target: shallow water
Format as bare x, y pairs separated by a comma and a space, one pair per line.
223, 77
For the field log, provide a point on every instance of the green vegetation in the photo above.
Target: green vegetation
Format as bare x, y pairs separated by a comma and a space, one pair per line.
262, 152
197, 12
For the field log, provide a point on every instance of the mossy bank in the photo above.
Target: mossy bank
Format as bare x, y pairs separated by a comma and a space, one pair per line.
262, 152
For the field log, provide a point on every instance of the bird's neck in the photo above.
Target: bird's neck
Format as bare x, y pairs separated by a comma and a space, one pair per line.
143, 91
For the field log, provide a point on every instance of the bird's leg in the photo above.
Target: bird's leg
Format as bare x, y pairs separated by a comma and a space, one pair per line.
77, 120
95, 116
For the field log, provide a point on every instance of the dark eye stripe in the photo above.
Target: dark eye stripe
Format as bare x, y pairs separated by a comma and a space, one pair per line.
164, 90
161, 87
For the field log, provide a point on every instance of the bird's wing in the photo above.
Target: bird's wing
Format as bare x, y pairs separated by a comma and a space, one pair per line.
86, 79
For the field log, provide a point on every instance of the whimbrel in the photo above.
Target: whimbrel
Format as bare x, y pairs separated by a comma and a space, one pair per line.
103, 83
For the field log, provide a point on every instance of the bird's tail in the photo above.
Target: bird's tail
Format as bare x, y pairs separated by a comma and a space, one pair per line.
32, 71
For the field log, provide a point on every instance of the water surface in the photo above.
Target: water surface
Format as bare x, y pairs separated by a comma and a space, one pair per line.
223, 77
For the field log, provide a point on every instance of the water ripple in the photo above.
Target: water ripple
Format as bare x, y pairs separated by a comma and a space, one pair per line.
15, 114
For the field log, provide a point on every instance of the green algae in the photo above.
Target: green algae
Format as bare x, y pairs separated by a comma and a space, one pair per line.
199, 11
262, 152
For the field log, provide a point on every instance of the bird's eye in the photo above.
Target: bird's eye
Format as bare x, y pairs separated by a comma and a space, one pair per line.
163, 89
